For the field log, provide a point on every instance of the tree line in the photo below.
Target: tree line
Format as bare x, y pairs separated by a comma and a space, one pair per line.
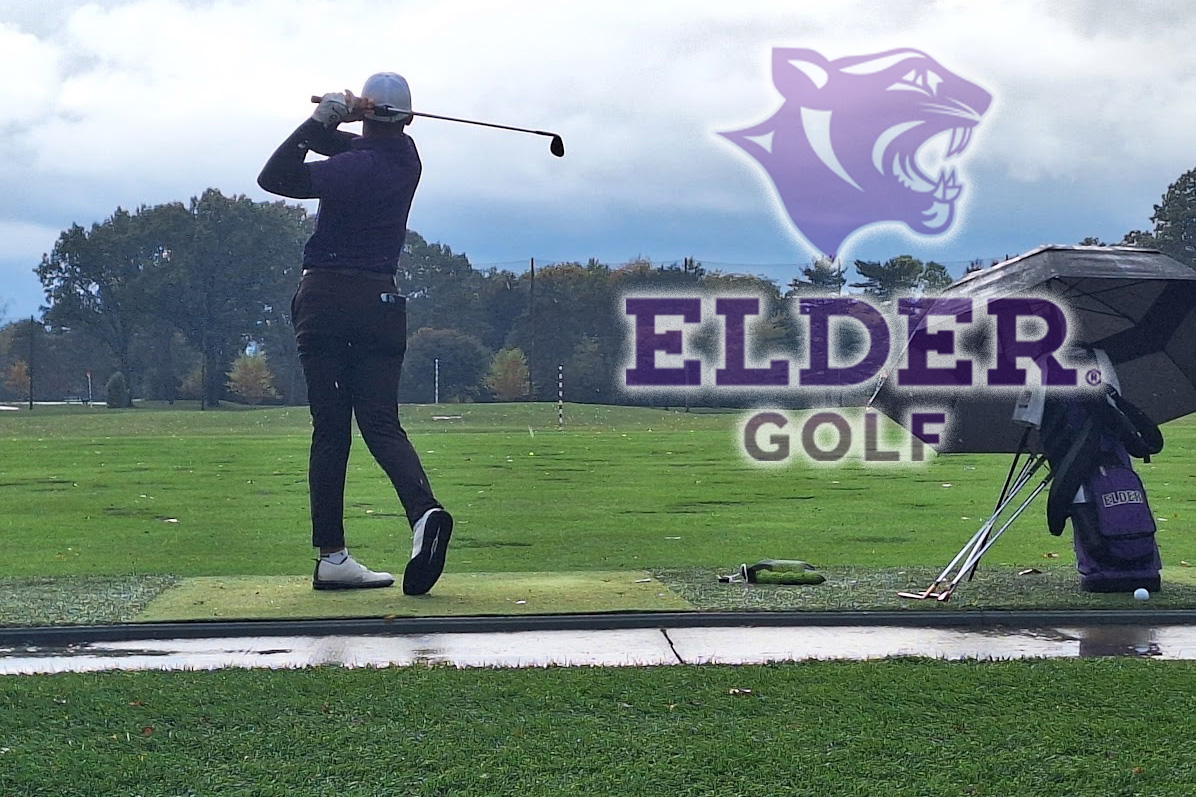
192, 301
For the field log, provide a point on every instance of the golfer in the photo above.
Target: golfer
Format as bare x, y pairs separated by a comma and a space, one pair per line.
351, 323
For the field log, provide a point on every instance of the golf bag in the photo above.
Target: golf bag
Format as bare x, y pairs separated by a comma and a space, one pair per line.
1089, 442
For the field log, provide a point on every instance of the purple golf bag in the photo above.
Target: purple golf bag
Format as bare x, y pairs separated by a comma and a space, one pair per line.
1089, 442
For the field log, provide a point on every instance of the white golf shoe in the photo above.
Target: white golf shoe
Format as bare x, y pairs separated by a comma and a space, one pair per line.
349, 574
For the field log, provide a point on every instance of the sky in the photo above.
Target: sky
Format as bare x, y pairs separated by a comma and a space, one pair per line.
123, 103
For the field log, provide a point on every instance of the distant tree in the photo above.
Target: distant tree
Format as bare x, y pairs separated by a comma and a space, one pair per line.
464, 362
934, 279
191, 386
275, 337
569, 302
17, 378
508, 375
889, 279
823, 277
1092, 241
230, 268
1140, 238
503, 297
975, 265
442, 288
117, 392
1174, 219
720, 283
94, 279
589, 374
164, 352
60, 360
218, 270
640, 272
250, 378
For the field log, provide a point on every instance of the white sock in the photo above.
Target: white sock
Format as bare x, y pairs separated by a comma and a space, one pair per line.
336, 557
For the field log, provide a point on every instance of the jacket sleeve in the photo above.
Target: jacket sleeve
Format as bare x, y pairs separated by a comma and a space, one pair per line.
286, 173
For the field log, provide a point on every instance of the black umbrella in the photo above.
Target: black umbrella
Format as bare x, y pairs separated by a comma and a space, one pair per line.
1138, 305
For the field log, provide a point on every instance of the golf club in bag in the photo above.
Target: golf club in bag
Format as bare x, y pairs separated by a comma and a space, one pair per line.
1135, 304
1086, 446
556, 146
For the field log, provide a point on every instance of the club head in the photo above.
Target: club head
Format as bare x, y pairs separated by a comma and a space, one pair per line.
557, 147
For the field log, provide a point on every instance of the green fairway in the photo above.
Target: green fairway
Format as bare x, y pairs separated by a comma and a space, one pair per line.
899, 728
157, 491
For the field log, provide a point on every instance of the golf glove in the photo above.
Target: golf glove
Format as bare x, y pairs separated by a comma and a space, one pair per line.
332, 110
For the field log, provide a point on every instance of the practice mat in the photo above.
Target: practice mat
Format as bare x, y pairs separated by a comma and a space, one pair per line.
292, 597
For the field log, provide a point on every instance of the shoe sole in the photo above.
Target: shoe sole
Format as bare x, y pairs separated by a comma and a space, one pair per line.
422, 572
350, 585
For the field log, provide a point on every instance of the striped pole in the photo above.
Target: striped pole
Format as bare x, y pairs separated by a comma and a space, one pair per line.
560, 397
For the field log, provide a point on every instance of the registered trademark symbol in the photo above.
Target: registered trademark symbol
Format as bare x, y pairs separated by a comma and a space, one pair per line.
1093, 376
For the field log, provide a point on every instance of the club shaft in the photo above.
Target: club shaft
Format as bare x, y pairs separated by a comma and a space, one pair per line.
483, 124
316, 99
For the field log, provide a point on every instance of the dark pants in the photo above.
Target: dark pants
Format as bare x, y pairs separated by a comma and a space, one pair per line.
351, 347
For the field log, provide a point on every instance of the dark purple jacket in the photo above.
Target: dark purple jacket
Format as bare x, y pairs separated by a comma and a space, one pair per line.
365, 190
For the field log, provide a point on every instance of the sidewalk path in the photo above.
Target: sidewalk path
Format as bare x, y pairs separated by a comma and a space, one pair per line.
650, 643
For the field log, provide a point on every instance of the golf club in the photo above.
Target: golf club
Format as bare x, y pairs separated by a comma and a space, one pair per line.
556, 147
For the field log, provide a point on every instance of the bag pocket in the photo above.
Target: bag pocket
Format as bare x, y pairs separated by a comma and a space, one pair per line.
1126, 523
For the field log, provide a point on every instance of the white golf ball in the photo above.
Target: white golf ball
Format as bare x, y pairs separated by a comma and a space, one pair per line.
1141, 594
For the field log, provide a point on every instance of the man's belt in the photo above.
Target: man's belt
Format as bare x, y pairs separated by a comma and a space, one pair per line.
351, 272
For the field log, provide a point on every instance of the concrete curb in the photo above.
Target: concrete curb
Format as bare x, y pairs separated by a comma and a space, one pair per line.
51, 636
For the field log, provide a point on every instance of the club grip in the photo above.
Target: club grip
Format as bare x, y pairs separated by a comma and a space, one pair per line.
316, 99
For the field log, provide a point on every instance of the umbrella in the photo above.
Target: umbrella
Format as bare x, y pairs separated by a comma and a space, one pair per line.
1136, 304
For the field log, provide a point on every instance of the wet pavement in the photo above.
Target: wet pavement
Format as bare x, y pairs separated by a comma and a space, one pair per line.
612, 648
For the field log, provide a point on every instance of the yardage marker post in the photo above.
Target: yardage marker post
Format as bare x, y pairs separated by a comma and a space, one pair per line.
560, 397
31, 369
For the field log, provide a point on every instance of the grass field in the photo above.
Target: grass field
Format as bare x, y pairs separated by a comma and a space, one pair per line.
106, 509
899, 728
168, 493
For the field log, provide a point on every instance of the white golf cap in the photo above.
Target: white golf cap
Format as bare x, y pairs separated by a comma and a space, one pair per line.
388, 88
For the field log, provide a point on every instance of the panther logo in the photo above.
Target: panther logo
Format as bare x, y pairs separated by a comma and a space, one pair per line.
843, 149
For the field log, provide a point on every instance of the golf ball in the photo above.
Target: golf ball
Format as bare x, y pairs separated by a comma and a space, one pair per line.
1141, 594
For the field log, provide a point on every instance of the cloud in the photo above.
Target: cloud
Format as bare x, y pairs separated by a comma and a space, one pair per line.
126, 102
31, 64
1077, 93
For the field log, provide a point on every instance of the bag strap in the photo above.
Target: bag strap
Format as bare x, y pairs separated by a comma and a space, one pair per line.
1076, 445
1068, 459
1058, 504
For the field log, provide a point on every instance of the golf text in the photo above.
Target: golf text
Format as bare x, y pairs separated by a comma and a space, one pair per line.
1010, 343
828, 437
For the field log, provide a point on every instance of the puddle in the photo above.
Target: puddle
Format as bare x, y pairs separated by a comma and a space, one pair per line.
763, 645
523, 649
611, 648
